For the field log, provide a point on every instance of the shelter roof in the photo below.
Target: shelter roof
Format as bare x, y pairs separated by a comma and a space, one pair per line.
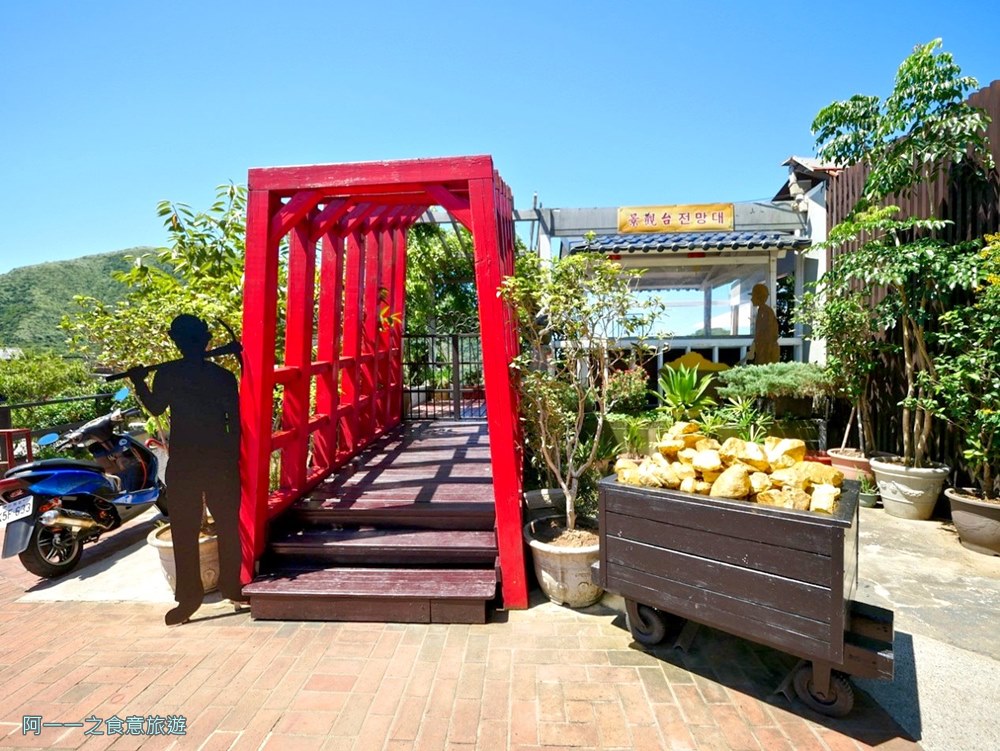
655, 242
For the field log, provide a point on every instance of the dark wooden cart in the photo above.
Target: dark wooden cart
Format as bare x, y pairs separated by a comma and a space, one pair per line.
777, 577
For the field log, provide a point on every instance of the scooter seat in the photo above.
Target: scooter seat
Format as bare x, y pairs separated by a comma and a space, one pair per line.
53, 464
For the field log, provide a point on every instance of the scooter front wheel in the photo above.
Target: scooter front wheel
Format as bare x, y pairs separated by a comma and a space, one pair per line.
51, 552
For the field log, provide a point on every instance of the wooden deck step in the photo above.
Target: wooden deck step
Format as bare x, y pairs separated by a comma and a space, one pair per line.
388, 512
376, 546
375, 595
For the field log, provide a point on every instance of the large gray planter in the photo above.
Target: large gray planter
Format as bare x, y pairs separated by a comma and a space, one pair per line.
977, 522
908, 492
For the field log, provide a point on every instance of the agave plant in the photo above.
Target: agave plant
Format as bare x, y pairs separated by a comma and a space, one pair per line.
683, 392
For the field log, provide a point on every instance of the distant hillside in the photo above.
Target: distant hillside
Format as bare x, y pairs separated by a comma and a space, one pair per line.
33, 299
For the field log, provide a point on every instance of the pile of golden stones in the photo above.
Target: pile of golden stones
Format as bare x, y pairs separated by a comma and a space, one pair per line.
772, 473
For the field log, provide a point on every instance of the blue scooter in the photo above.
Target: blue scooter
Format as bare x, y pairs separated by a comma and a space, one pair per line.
53, 506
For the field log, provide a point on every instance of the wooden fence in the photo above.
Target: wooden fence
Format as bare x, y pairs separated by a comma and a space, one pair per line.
974, 209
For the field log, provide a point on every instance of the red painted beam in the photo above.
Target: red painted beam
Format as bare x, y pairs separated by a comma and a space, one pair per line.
295, 210
364, 174
257, 385
500, 412
454, 205
298, 354
328, 218
350, 382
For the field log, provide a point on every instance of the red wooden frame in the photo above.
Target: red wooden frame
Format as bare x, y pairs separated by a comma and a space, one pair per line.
358, 215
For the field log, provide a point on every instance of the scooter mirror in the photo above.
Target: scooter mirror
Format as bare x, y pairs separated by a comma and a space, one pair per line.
48, 439
121, 394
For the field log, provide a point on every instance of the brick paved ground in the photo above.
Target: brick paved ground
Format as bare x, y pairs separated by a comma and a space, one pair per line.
543, 678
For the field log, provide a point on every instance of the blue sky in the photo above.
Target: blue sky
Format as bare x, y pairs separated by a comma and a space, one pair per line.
108, 107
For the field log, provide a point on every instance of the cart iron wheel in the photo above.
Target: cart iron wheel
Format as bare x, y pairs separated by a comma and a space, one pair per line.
648, 625
839, 699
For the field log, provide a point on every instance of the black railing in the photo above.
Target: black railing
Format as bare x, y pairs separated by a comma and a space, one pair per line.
443, 377
6, 409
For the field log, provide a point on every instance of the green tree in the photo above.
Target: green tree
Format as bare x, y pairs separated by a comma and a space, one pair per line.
440, 281
922, 129
968, 372
200, 272
572, 314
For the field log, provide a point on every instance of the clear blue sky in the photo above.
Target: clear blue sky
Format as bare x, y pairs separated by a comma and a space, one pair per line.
108, 107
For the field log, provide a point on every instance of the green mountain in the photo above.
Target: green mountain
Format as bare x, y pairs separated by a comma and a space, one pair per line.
33, 299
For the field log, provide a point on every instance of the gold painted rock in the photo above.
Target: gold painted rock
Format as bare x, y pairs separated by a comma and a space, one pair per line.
707, 461
824, 499
759, 482
784, 452
733, 483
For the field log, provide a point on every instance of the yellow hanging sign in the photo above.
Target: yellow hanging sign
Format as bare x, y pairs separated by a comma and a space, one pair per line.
689, 217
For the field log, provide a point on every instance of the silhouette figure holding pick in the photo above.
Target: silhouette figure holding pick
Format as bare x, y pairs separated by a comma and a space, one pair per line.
204, 459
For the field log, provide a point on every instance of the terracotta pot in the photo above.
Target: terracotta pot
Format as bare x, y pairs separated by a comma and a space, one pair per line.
853, 467
977, 522
908, 492
564, 573
208, 552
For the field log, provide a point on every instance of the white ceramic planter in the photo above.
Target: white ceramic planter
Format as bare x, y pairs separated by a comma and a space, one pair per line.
564, 573
907, 492
208, 551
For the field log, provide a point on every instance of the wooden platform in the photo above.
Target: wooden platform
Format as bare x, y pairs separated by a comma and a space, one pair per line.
405, 533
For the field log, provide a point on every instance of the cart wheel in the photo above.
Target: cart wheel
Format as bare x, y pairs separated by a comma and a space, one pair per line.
648, 625
839, 701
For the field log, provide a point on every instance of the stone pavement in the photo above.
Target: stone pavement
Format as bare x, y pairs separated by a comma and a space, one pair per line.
946, 599
547, 677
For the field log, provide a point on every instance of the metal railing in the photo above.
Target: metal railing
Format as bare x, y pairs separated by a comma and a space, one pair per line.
443, 377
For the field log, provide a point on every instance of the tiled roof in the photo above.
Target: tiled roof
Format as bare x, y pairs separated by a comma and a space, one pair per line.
687, 241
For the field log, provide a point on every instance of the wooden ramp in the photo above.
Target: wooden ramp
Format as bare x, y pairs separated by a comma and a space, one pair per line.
404, 533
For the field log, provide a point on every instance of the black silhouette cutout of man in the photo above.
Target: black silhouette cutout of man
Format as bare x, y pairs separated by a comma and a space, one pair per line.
204, 459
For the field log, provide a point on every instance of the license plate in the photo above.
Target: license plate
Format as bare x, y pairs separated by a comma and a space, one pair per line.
16, 509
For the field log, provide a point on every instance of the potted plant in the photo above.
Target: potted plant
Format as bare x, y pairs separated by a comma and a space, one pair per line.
921, 130
867, 491
208, 552
787, 389
968, 389
683, 392
571, 314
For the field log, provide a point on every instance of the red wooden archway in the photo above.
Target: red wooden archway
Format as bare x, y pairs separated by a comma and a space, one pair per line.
357, 215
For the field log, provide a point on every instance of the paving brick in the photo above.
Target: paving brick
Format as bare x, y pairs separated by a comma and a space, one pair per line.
633, 700
433, 736
353, 715
279, 742
772, 739
523, 723
409, 718
329, 682
693, 706
734, 728
571, 734
387, 696
220, 740
442, 697
464, 725
496, 700
612, 724
492, 736
320, 701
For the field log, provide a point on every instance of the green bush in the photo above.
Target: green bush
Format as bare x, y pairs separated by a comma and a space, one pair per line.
41, 376
774, 380
627, 390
